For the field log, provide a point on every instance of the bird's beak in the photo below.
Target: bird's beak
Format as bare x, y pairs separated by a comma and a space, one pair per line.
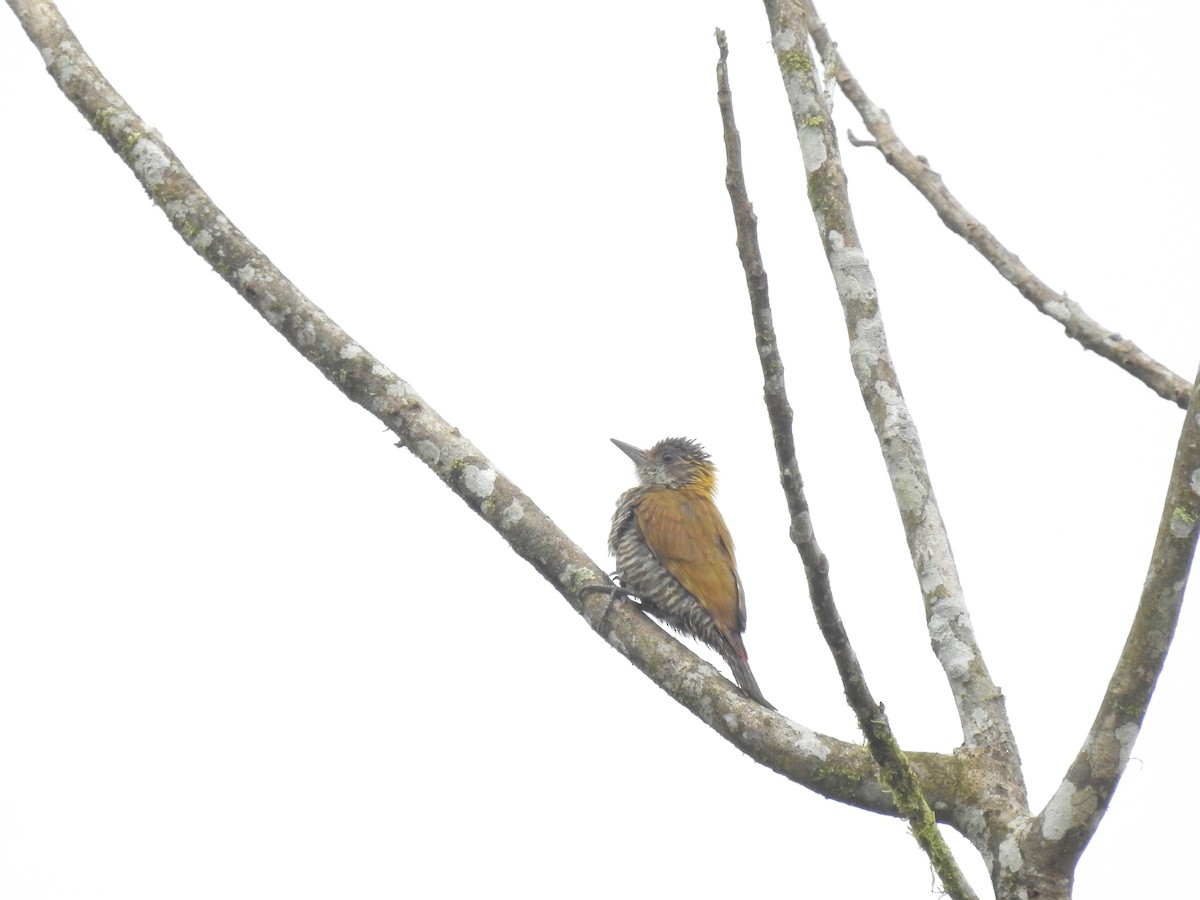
638, 456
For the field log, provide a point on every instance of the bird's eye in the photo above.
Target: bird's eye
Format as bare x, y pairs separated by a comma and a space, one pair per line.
668, 457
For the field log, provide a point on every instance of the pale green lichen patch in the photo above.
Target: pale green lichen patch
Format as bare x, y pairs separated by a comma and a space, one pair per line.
64, 65
395, 388
479, 482
429, 453
794, 61
809, 742
812, 144
897, 423
1069, 808
955, 657
1182, 522
1127, 736
574, 579
512, 514
910, 492
954, 654
575, 576
867, 346
851, 271
150, 163
784, 41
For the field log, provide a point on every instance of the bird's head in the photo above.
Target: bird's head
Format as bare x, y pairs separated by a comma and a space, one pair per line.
673, 463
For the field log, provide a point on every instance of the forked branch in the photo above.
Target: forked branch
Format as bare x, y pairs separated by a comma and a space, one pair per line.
896, 771
980, 705
833, 768
1062, 830
1058, 306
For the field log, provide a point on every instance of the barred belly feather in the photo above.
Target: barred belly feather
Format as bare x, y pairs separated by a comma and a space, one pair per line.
689, 547
647, 578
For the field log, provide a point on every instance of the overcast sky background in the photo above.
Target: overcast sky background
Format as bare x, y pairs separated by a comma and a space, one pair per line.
248, 648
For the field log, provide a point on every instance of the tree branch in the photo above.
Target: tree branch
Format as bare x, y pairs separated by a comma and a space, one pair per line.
1062, 830
980, 706
896, 771
999, 790
1077, 323
833, 768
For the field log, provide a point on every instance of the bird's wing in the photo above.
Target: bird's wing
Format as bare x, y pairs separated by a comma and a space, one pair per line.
687, 534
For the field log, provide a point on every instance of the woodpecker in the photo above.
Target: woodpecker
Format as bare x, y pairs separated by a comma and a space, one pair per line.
674, 552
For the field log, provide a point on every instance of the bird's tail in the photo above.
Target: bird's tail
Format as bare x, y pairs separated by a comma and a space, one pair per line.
745, 680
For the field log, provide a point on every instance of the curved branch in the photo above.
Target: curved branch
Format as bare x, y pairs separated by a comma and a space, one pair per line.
1062, 830
833, 768
1077, 323
896, 770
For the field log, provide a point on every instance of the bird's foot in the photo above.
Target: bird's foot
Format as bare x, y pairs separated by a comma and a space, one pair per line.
613, 590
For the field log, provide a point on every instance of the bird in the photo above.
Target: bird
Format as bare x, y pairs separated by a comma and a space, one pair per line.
674, 552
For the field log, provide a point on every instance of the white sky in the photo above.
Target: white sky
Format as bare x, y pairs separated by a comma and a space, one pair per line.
248, 648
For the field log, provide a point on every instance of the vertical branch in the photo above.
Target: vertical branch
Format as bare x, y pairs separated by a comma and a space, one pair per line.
896, 772
980, 706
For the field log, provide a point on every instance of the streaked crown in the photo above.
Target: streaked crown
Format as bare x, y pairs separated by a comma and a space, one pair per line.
676, 462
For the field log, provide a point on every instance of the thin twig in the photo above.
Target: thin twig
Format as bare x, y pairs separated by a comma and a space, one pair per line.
1058, 306
896, 771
